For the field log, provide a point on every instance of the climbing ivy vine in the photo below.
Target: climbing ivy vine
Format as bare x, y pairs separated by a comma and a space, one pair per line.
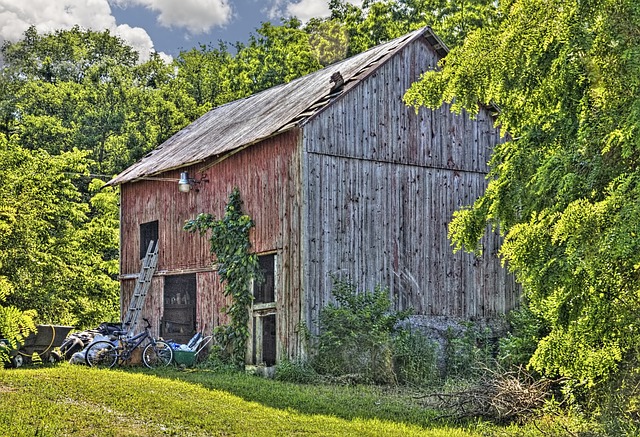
236, 266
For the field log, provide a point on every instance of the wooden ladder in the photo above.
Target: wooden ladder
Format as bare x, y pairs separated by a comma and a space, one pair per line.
149, 264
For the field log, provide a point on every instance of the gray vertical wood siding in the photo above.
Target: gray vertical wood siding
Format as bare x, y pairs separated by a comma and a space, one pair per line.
381, 185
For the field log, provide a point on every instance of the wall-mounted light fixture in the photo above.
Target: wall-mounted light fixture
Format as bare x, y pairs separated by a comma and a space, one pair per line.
185, 183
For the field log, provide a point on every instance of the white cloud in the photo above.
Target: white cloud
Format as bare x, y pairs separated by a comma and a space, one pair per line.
51, 15
196, 16
306, 9
302, 9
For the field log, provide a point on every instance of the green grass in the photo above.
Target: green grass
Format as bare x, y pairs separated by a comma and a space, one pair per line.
78, 401
68, 400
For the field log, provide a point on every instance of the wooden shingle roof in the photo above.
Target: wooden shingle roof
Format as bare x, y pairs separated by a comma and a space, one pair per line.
246, 121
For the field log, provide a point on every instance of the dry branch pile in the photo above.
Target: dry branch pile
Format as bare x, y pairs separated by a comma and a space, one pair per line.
499, 396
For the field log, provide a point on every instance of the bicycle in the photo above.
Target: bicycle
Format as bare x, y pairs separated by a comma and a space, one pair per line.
106, 353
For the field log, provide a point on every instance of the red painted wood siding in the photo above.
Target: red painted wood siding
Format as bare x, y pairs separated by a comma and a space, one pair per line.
267, 175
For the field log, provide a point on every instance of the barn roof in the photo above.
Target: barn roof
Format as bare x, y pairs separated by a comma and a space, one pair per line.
243, 122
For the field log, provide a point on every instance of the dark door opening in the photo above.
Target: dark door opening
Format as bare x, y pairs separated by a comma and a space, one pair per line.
148, 233
179, 320
269, 340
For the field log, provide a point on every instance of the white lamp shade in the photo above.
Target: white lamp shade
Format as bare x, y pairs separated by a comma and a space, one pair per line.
184, 185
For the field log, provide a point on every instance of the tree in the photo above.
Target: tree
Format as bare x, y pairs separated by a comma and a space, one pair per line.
66, 55
85, 89
380, 21
205, 74
274, 55
564, 185
57, 255
328, 39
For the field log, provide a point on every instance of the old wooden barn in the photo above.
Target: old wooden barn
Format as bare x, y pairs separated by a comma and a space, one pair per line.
340, 179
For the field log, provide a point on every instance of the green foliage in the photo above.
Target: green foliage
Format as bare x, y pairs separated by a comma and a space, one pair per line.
58, 253
329, 40
236, 267
415, 359
205, 74
376, 22
518, 346
468, 351
274, 55
15, 326
85, 89
617, 402
218, 360
356, 334
563, 186
299, 372
66, 55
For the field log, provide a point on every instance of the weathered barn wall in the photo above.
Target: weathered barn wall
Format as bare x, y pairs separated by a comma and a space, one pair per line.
364, 189
372, 122
267, 175
381, 185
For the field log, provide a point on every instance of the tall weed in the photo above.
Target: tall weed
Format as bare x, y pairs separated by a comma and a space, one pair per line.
415, 359
468, 352
356, 335
525, 331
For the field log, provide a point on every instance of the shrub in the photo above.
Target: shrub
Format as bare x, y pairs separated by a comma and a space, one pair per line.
15, 325
468, 352
218, 361
415, 359
299, 372
356, 334
616, 401
518, 346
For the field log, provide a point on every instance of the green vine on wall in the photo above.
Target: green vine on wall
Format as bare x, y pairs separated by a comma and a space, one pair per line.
229, 242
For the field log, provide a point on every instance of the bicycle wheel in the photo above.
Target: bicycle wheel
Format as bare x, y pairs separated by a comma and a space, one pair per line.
101, 354
157, 354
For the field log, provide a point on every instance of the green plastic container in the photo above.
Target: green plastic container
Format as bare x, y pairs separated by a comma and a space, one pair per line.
184, 358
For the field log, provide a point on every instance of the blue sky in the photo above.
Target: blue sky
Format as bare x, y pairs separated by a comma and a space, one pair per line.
247, 16
166, 26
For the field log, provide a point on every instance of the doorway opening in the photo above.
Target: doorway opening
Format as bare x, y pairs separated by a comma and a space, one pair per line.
179, 319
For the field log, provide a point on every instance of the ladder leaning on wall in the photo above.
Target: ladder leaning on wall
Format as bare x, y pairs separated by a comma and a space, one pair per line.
149, 264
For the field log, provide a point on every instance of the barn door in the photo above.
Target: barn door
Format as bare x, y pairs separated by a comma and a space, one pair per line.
179, 320
262, 347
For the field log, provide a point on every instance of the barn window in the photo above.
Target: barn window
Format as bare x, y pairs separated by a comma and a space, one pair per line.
148, 233
264, 290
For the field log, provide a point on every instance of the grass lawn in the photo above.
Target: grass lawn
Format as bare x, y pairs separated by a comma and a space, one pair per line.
79, 401
66, 400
